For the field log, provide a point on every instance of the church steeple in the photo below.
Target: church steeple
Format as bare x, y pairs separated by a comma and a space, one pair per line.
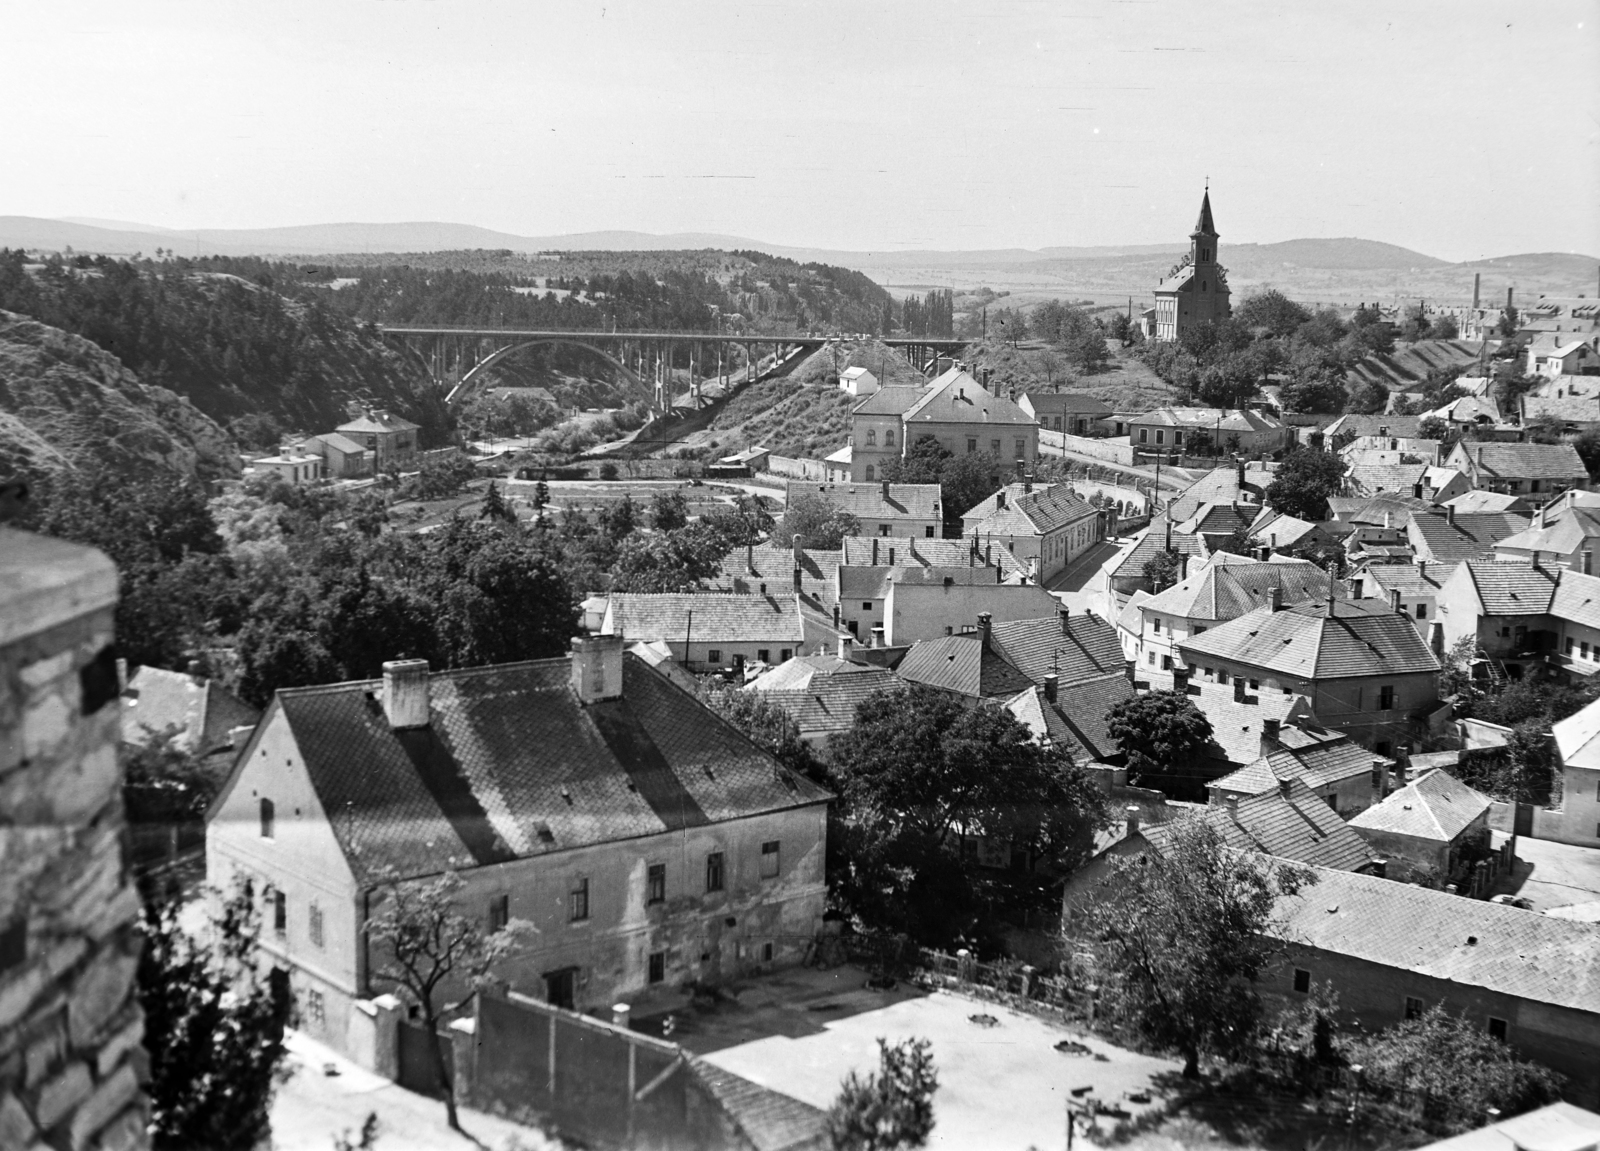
1203, 240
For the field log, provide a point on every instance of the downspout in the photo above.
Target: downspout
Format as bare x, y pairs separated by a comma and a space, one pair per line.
688, 629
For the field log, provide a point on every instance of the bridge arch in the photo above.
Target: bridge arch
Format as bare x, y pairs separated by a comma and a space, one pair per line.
467, 381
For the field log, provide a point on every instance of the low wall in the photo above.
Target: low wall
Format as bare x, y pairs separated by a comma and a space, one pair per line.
1116, 451
795, 469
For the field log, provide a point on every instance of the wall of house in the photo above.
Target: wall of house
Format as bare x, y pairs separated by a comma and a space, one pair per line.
709, 655
932, 611
1374, 995
304, 861
71, 1064
1577, 645
874, 441
954, 438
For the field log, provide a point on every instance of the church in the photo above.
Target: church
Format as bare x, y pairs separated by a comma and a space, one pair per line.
1196, 290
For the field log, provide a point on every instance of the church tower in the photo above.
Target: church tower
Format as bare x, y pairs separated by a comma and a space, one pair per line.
1196, 291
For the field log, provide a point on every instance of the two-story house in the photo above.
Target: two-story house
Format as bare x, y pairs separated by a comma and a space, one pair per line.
882, 509
965, 418
877, 432
1363, 668
1045, 527
1560, 536
1204, 430
1453, 537
1411, 589
644, 839
869, 564
391, 439
1519, 469
1505, 608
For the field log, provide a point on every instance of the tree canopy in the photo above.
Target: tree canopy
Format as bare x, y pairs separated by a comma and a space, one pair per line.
819, 522
1163, 734
891, 1110
1304, 481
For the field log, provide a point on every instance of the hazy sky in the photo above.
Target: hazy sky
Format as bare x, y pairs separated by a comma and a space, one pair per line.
1459, 128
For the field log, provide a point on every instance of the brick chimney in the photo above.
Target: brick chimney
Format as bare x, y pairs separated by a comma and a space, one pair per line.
1065, 612
883, 491
405, 693
1050, 681
1131, 814
1275, 597
1450, 514
874, 551
984, 619
1000, 499
1394, 599
1588, 562
1436, 638
597, 667
1270, 729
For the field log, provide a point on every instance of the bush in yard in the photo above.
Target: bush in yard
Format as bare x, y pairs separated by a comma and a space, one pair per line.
890, 1110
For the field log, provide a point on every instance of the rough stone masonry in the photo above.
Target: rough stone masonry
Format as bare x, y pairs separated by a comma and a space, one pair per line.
71, 1065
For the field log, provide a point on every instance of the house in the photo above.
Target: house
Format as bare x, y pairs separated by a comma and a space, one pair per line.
882, 509
858, 382
1201, 431
1367, 521
877, 433
1431, 831
295, 465
1411, 589
1045, 527
710, 631
869, 565
1389, 449
1126, 574
1517, 469
747, 462
1279, 532
1214, 593
836, 466
1557, 1125
392, 440
647, 841
1195, 291
1337, 772
1358, 427
929, 603
763, 569
1070, 412
999, 660
1218, 524
1578, 818
1074, 718
186, 710
342, 457
1477, 500
1558, 537
1240, 482
1420, 479
1574, 413
1505, 608
821, 692
1390, 951
1557, 354
1467, 412
1364, 669
965, 418
1454, 537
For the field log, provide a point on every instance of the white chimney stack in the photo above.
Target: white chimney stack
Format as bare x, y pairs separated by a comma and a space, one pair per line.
596, 667
405, 693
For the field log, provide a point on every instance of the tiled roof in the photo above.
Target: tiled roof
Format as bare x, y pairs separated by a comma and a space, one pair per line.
1085, 648
341, 443
1060, 403
1219, 519
1131, 620
1228, 591
892, 400
1525, 461
1348, 638
828, 703
1078, 718
1318, 757
1403, 427
377, 422
746, 569
1578, 737
512, 765
1374, 478
1471, 537
1040, 511
198, 712
959, 663
1300, 827
1210, 419
1568, 409
1437, 806
1424, 577
1512, 588
957, 398
1370, 510
1564, 533
1467, 409
910, 551
1236, 727
1468, 941
1218, 486
770, 1120
717, 617
1577, 598
866, 501
1277, 530
798, 673
1152, 544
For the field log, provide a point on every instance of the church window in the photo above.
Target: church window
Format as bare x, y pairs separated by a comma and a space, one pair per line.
1203, 287
872, 438
888, 437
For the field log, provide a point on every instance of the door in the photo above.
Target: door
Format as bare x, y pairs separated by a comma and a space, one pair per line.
1522, 822
419, 1068
560, 988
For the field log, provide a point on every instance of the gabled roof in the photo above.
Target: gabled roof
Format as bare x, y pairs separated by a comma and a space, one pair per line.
1318, 757
1568, 409
1345, 638
341, 443
1236, 728
854, 374
198, 712
1278, 530
1512, 588
1577, 598
866, 501
875, 583
1468, 941
717, 617
1401, 427
1228, 591
1425, 577
1477, 500
1078, 717
1210, 419
827, 703
957, 398
377, 422
1153, 543
1467, 410
1219, 519
1525, 461
1578, 737
961, 664
1564, 532
1219, 486
909, 551
1437, 806
1059, 403
512, 765
1075, 647
1299, 826
1375, 478
1472, 536
1370, 510
768, 1119
798, 673
890, 400
746, 569
1036, 512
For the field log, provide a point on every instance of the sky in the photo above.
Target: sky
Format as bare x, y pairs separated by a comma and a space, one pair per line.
1462, 128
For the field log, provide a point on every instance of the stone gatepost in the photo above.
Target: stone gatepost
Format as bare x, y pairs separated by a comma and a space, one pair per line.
71, 1065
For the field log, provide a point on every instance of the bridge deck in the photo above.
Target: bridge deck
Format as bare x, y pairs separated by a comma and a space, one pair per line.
679, 335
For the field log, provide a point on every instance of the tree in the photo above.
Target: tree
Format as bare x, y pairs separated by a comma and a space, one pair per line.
1161, 570
1161, 732
495, 507
1239, 542
1415, 325
890, 1110
1454, 1058
1273, 311
1588, 449
1530, 762
1508, 322
1434, 428
1367, 398
1316, 391
817, 521
669, 511
212, 1027
1180, 938
426, 948
1445, 328
1303, 482
767, 726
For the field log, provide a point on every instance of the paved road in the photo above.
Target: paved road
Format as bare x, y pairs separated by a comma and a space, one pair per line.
1078, 585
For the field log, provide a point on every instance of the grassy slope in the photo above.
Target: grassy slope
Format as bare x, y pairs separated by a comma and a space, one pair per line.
1126, 384
1409, 364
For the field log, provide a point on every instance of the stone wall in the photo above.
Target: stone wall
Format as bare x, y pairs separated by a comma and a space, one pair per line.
71, 1066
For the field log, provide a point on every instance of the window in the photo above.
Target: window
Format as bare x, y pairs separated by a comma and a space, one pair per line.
1497, 1029
1144, 435
714, 871
267, 813
869, 472
280, 912
1255, 685
1155, 625
1161, 436
1413, 1007
1505, 633
316, 925
764, 654
994, 446
785, 653
499, 912
714, 655
1022, 449
1567, 647
872, 439
316, 1010
766, 952
928, 531
658, 967
1199, 628
1177, 438
888, 437
1382, 747
578, 900
883, 529
1302, 980
1151, 659
655, 883
866, 605
972, 446
1333, 801
1583, 649
769, 859
1222, 676
1386, 698
1166, 663
1422, 611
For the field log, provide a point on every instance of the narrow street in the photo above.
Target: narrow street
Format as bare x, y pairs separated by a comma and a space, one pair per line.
1079, 585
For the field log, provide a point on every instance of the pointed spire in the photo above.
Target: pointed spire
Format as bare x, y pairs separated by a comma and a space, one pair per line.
1204, 224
